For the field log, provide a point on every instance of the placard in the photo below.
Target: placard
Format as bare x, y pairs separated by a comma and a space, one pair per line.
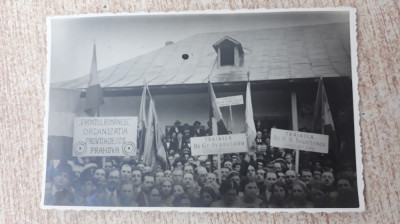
299, 140
230, 101
219, 144
105, 136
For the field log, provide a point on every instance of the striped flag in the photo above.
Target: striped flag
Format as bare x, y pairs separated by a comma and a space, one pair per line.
63, 107
218, 124
250, 126
94, 92
154, 150
142, 122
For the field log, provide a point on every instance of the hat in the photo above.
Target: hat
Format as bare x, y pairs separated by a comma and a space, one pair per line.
228, 185
186, 151
63, 168
197, 122
202, 158
77, 168
177, 122
232, 174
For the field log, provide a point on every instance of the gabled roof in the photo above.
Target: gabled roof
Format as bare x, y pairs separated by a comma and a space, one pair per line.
228, 41
269, 54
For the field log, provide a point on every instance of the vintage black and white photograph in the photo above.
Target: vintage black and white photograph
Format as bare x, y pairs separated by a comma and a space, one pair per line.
203, 111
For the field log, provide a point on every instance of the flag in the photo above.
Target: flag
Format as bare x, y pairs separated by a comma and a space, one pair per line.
63, 107
142, 122
250, 126
218, 124
154, 150
322, 121
94, 92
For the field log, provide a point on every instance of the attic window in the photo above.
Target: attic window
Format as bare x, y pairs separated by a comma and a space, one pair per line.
230, 52
227, 55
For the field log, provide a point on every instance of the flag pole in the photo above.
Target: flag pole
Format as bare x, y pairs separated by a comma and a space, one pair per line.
210, 157
148, 90
295, 125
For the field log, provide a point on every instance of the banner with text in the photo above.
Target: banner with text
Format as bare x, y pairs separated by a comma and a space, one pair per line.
105, 136
230, 101
219, 144
299, 140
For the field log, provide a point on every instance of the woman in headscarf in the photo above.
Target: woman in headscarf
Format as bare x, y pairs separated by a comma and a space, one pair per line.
177, 189
279, 197
300, 194
166, 192
182, 200
251, 192
155, 197
229, 191
207, 197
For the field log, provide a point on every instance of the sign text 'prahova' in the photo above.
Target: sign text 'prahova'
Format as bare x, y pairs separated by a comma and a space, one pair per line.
105, 136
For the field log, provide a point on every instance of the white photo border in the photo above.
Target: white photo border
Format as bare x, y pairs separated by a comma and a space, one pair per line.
356, 113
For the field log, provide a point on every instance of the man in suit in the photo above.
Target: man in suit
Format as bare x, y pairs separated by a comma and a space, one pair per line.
127, 196
197, 130
168, 143
208, 132
59, 191
178, 144
139, 194
259, 140
113, 182
187, 143
187, 133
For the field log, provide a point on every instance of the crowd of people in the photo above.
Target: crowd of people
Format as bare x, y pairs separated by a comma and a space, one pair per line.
265, 177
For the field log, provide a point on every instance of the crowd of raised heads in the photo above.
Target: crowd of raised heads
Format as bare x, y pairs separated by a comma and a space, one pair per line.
265, 177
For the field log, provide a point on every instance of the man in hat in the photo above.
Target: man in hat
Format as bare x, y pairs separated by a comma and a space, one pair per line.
176, 128
60, 191
197, 130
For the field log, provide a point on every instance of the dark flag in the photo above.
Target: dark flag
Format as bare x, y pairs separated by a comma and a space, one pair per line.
322, 114
94, 92
142, 122
154, 150
323, 122
215, 114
